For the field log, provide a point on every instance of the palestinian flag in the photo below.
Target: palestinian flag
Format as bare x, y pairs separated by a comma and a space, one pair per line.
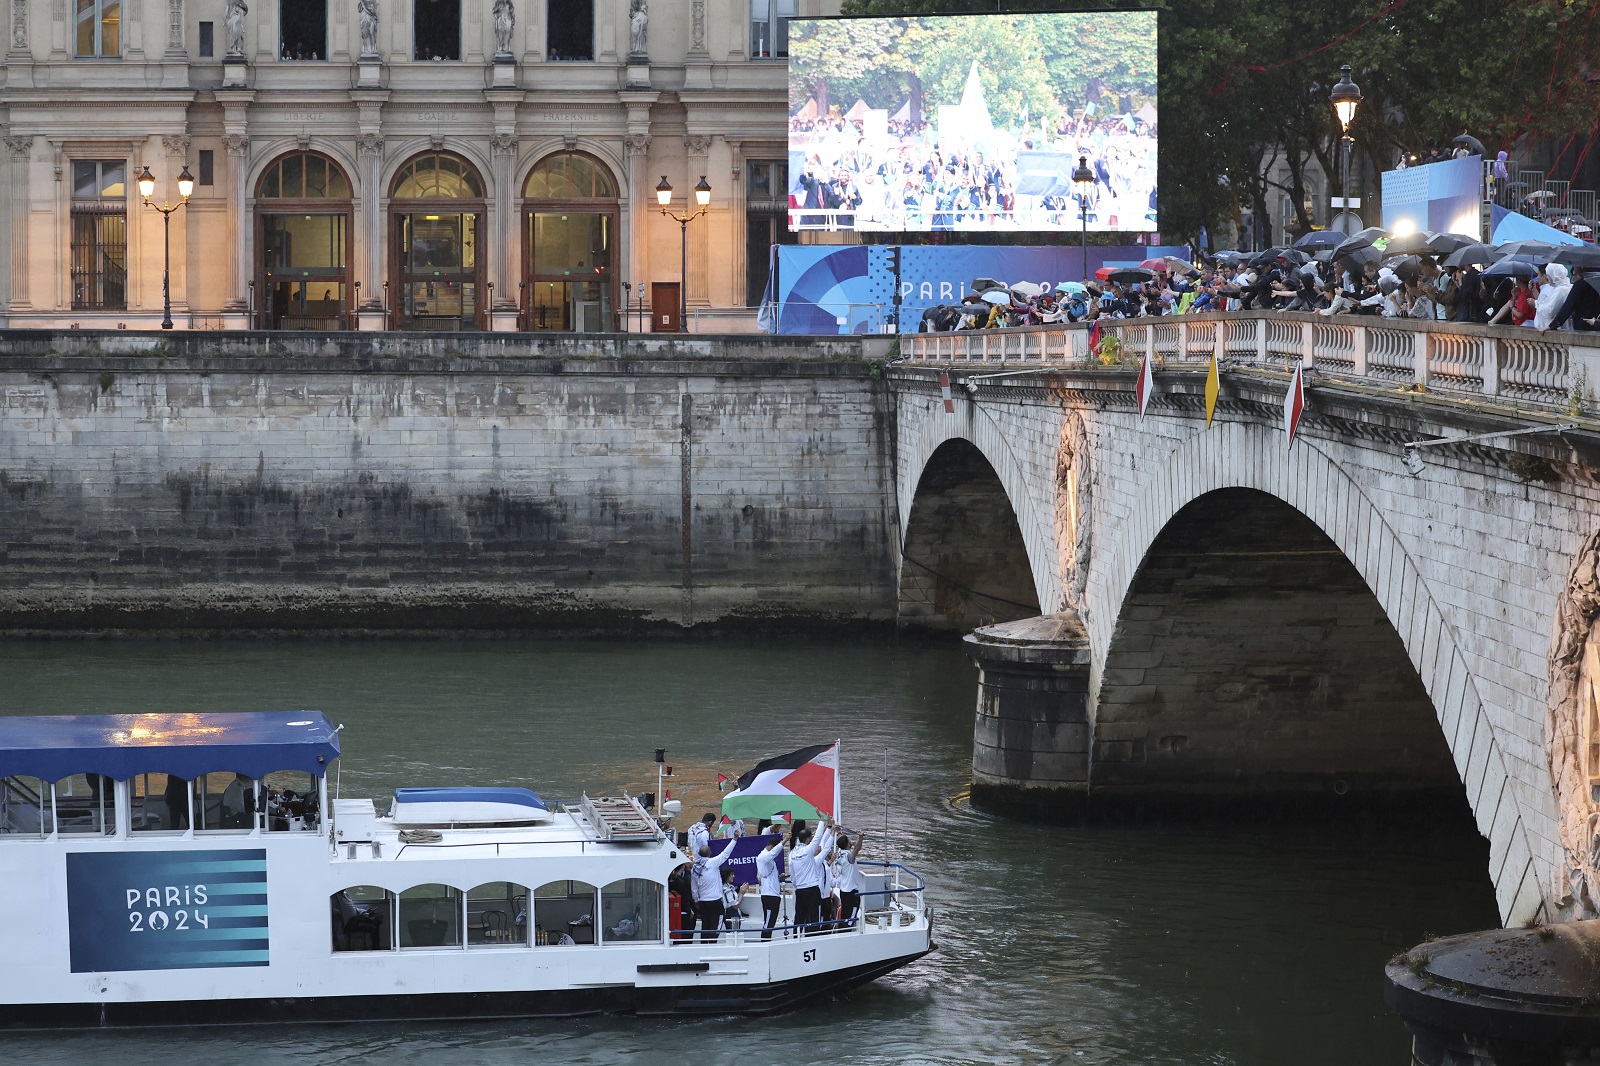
722, 782
803, 783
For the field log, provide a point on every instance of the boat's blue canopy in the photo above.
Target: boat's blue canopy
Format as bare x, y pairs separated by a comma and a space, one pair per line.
522, 797
187, 745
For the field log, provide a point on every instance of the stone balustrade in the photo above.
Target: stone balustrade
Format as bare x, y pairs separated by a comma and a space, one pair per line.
1515, 365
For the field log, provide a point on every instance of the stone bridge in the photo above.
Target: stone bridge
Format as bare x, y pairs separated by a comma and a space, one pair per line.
1339, 617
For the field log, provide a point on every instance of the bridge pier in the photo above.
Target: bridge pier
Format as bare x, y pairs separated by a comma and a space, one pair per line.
1030, 744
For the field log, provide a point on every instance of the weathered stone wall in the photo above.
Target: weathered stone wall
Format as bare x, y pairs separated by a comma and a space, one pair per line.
1464, 549
218, 481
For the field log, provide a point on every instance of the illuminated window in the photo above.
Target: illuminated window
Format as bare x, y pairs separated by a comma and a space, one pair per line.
99, 29
438, 176
99, 251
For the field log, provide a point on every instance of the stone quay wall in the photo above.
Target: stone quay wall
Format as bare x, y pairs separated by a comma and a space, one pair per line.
206, 481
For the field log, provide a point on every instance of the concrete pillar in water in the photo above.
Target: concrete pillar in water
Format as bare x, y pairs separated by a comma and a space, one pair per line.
1030, 742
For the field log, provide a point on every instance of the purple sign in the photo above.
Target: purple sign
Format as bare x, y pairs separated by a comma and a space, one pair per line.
745, 850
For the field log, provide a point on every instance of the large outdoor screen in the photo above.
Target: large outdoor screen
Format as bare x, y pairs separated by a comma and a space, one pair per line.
972, 122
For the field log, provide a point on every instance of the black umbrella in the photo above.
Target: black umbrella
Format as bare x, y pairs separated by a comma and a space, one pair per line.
985, 284
1360, 240
1130, 275
1510, 268
1471, 255
1586, 256
1542, 249
1409, 244
1270, 255
1320, 240
1405, 267
1295, 257
1473, 144
1446, 243
1359, 256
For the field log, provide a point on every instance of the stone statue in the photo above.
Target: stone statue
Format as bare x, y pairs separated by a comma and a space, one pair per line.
233, 21
638, 27
367, 11
505, 20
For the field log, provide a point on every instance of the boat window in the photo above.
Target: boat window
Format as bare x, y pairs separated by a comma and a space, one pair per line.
563, 913
497, 914
160, 803
292, 801
224, 801
363, 919
86, 803
630, 911
430, 917
24, 807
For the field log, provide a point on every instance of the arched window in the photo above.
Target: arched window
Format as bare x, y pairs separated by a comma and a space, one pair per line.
497, 914
303, 215
563, 913
631, 912
570, 176
569, 244
303, 176
363, 919
430, 917
438, 176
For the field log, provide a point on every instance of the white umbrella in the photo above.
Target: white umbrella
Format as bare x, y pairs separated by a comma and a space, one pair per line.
997, 297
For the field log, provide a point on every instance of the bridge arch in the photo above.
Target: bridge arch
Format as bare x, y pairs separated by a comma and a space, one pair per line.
1306, 481
932, 434
967, 455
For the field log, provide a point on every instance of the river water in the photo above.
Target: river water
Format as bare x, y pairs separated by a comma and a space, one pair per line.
1114, 944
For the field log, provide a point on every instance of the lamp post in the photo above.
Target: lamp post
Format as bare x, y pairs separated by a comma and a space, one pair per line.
147, 188
1082, 186
1345, 96
702, 196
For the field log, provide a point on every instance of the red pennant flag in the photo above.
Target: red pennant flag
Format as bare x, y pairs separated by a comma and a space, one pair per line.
1146, 386
944, 392
1294, 405
667, 792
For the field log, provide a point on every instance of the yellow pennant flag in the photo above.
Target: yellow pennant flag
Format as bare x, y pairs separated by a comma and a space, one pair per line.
1213, 387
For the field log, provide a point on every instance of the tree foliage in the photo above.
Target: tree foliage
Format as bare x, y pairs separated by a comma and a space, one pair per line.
1018, 75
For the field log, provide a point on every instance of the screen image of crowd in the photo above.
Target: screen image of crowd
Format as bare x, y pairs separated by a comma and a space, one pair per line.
973, 144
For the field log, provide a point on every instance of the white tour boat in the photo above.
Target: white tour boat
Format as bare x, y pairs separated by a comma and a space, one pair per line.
176, 869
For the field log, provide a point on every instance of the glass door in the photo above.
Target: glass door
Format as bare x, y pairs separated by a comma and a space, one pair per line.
440, 277
569, 275
305, 272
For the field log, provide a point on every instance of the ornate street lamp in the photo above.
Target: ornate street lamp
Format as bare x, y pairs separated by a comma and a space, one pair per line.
147, 188
1345, 96
1082, 186
702, 197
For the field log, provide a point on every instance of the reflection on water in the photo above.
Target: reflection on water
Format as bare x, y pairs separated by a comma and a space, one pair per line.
1122, 944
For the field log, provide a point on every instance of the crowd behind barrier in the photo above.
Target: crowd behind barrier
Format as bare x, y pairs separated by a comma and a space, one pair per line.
1512, 366
1426, 277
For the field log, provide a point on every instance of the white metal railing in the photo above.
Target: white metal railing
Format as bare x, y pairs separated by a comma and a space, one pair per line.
1513, 363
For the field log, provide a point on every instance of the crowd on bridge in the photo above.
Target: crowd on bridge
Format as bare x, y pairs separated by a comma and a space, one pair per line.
1425, 276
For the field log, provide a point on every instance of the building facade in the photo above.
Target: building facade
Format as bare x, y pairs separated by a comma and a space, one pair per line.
390, 164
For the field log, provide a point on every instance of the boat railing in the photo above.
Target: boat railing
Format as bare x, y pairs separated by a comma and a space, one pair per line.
900, 903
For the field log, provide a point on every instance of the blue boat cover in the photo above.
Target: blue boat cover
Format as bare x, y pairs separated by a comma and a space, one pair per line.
521, 796
187, 745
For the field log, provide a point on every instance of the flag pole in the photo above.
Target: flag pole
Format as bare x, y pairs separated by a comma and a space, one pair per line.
885, 804
838, 805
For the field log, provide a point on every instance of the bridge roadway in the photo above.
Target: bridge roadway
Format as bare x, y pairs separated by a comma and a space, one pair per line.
1227, 615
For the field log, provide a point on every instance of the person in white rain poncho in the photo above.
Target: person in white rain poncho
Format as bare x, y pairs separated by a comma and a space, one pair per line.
1552, 294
